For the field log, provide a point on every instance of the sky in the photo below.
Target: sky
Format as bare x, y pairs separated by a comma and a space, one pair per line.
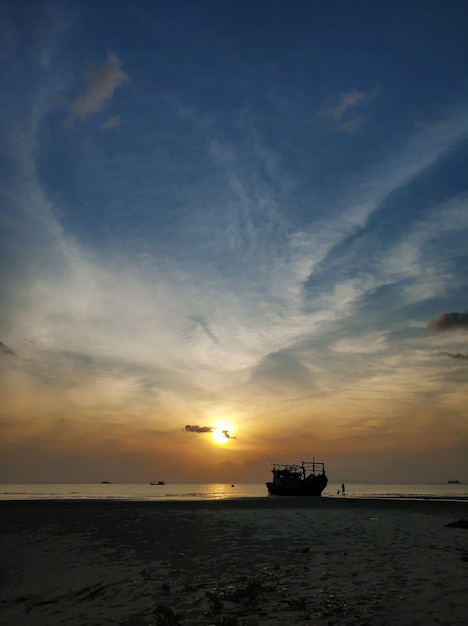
233, 234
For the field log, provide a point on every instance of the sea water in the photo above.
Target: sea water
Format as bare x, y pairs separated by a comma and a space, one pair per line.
215, 491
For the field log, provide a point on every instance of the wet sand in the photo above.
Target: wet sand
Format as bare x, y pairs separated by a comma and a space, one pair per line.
252, 562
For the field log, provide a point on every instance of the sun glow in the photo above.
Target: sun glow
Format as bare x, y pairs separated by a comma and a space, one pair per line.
222, 433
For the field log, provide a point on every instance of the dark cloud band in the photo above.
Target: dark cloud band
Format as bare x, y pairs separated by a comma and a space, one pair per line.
5, 349
206, 429
456, 355
198, 429
449, 321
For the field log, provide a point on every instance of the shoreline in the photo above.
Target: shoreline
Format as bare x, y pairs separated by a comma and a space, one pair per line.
249, 502
246, 562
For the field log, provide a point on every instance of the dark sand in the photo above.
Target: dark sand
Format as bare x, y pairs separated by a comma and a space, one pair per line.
234, 563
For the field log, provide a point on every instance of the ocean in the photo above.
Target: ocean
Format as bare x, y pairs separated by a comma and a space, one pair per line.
213, 491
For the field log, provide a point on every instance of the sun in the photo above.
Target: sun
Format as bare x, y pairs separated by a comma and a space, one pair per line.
222, 433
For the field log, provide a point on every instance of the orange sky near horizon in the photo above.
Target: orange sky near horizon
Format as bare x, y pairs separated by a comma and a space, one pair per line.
71, 435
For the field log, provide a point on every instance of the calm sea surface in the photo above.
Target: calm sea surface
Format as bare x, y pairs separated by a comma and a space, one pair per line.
199, 491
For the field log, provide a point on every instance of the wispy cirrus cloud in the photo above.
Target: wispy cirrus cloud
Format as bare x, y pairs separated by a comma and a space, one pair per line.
434, 128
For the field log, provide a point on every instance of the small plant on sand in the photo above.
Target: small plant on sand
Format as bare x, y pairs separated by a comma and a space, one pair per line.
299, 604
228, 620
165, 616
248, 593
216, 605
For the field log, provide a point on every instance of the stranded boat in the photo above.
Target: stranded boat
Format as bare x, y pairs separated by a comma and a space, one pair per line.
307, 479
159, 482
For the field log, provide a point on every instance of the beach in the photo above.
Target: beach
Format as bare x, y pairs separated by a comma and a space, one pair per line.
246, 562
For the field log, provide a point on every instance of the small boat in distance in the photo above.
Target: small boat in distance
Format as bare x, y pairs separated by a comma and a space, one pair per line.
159, 482
307, 479
453, 482
106, 482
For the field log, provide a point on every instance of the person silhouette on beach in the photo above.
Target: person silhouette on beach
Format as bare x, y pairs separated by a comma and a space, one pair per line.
343, 489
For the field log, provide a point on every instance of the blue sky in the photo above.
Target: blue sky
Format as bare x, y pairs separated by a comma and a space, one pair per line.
250, 214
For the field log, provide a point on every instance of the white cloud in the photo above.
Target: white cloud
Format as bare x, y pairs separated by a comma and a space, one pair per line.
111, 123
348, 100
101, 83
344, 114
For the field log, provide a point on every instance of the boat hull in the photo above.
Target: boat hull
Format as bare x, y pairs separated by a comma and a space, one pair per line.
312, 486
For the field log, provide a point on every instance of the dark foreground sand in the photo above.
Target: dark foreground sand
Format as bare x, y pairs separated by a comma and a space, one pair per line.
233, 563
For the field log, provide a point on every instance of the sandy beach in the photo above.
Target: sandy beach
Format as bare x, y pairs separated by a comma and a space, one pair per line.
234, 563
